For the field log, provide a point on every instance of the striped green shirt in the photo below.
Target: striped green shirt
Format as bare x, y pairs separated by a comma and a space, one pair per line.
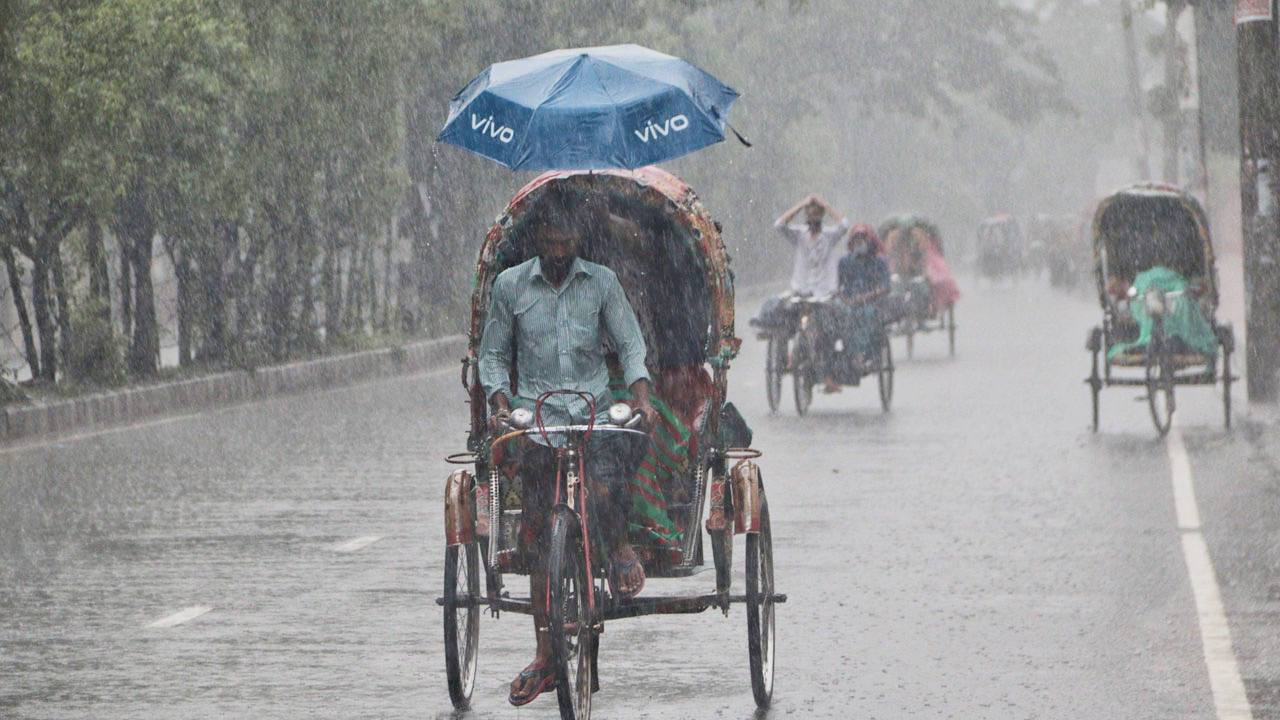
557, 335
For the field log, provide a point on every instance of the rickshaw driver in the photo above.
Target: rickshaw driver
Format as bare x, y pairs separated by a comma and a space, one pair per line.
814, 271
557, 308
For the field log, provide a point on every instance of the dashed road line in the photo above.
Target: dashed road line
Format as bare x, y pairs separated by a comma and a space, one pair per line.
181, 616
1229, 697
356, 544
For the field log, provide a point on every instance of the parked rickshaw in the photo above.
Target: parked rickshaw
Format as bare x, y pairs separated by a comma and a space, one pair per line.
1158, 287
801, 349
1000, 247
698, 471
923, 294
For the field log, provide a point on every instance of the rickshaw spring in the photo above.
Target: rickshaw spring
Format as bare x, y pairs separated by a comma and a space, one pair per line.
495, 517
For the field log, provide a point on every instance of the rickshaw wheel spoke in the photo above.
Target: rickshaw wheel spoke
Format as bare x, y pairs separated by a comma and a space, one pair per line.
461, 621
761, 629
571, 621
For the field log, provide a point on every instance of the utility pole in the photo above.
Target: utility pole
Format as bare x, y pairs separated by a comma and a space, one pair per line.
1172, 90
1259, 78
1135, 88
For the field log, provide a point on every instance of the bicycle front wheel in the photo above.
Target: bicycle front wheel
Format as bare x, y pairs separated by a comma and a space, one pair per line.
571, 620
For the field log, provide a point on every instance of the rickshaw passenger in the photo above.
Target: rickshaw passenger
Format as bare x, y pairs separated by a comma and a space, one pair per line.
864, 276
555, 310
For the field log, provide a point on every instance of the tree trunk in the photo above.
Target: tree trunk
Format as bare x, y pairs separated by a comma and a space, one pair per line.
331, 277
126, 288
20, 304
137, 228
63, 297
44, 320
186, 304
144, 351
386, 276
355, 294
212, 285
96, 259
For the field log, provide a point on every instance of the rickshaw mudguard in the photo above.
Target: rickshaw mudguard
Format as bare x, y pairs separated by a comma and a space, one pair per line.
459, 523
745, 478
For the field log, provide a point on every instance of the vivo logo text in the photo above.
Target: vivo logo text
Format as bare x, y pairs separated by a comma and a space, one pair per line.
676, 123
484, 125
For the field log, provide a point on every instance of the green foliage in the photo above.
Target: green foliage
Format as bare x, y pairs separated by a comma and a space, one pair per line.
274, 141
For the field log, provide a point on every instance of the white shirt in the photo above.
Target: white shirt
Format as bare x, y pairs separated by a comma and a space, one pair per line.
817, 258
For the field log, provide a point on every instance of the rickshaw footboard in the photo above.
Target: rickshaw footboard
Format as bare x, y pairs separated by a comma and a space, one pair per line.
636, 607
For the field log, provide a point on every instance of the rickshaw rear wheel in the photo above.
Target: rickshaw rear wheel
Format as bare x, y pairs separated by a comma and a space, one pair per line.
802, 374
571, 618
761, 629
1096, 393
1226, 386
885, 374
461, 620
951, 329
1159, 377
774, 364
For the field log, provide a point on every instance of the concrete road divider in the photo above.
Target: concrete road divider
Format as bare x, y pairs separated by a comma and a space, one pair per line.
131, 404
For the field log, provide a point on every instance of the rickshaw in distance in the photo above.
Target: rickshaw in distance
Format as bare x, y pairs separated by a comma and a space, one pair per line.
1000, 248
698, 470
923, 295
799, 347
1158, 289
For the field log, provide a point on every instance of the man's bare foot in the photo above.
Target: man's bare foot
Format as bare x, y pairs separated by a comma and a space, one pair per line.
829, 385
627, 574
531, 681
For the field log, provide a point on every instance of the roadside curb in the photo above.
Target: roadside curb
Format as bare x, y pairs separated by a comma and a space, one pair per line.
228, 388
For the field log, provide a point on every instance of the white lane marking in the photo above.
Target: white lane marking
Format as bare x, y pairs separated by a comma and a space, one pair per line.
1229, 697
1184, 490
181, 616
356, 544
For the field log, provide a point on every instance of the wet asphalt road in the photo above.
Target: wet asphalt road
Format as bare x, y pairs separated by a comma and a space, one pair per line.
974, 553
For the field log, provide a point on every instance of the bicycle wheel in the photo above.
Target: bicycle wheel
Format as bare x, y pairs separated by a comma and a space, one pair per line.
774, 363
1159, 377
761, 629
571, 621
461, 620
885, 374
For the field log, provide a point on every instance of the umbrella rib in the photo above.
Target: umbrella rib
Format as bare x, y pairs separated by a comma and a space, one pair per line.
617, 118
533, 114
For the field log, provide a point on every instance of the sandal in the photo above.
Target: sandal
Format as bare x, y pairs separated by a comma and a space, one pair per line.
546, 678
620, 570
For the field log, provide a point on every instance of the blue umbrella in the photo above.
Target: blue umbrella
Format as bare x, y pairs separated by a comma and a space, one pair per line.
621, 106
